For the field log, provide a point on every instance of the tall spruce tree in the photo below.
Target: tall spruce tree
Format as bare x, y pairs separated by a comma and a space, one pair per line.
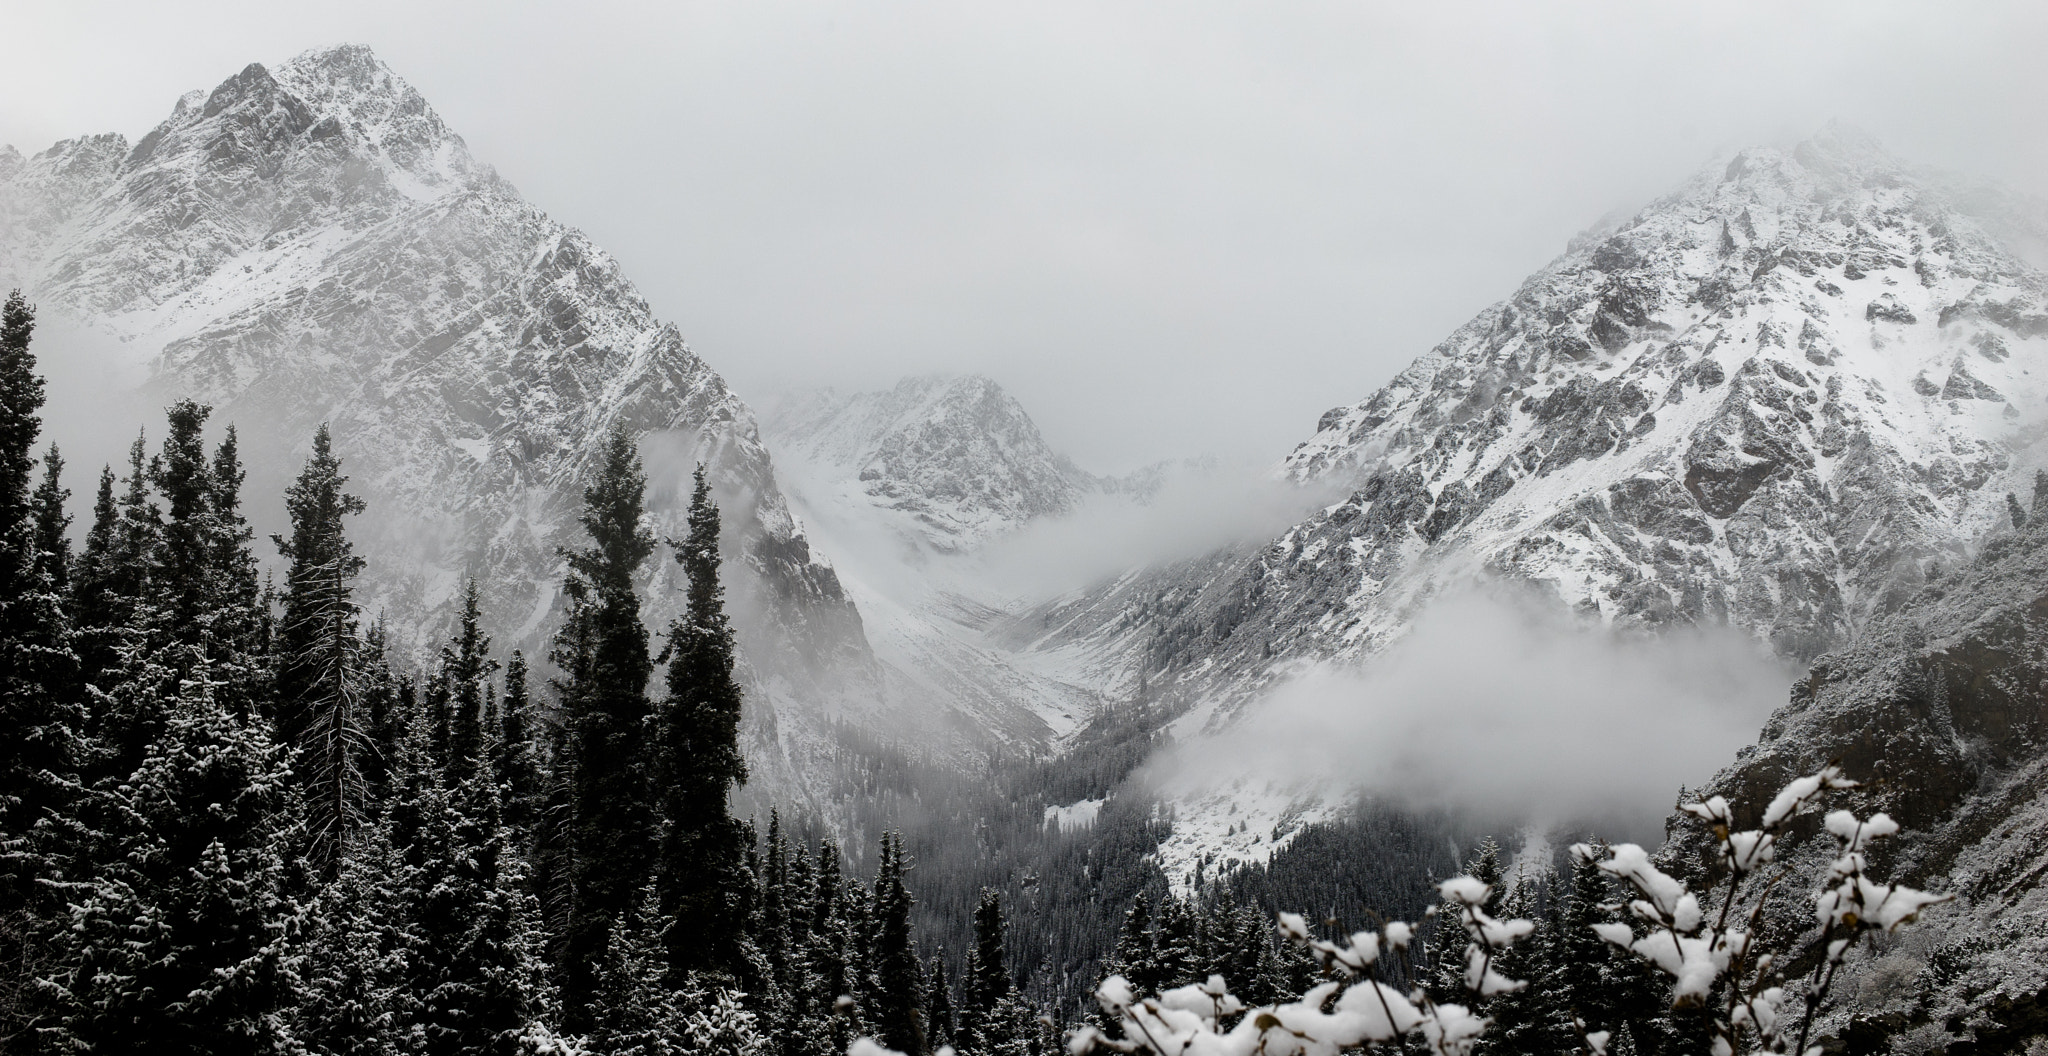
602, 653
320, 678
465, 668
988, 977
703, 885
898, 979
40, 713
516, 754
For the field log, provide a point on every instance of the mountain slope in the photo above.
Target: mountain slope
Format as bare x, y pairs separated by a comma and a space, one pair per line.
313, 244
1940, 710
1773, 399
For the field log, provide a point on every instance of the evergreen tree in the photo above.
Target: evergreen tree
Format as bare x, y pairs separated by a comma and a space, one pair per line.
938, 1006
699, 762
638, 1015
320, 683
721, 1025
177, 945
40, 716
1525, 1020
465, 667
51, 538
897, 977
1447, 942
987, 981
602, 653
479, 967
517, 755
182, 476
356, 999
95, 601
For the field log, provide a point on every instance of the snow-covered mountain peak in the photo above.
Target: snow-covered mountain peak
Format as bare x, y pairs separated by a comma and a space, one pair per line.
953, 460
349, 85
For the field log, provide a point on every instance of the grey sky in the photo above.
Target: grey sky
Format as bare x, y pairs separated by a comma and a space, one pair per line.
1168, 228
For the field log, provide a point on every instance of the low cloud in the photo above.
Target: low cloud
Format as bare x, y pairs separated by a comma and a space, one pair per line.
1195, 511
1507, 712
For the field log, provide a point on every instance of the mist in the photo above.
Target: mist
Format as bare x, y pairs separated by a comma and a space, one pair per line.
1196, 511
1508, 712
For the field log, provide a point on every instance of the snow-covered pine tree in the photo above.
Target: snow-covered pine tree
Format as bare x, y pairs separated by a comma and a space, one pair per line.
466, 666
938, 1005
177, 945
355, 998
637, 1012
722, 1025
699, 763
1177, 940
40, 715
987, 981
320, 671
1446, 970
897, 999
1523, 1019
833, 964
772, 936
516, 753
94, 585
601, 650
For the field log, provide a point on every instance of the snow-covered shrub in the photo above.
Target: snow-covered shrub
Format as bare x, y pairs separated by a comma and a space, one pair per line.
1705, 946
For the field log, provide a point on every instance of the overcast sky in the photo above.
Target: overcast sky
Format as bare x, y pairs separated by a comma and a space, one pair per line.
1168, 228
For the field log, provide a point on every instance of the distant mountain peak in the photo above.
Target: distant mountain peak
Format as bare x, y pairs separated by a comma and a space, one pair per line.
954, 456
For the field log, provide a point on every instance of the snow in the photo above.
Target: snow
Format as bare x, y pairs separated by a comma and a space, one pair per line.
1074, 817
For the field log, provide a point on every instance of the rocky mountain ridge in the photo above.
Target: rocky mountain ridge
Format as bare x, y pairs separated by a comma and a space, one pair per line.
1773, 399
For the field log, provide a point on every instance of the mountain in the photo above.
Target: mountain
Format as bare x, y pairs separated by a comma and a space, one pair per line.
1938, 709
313, 244
909, 489
952, 461
1774, 399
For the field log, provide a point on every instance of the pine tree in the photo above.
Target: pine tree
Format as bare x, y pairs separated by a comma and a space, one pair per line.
40, 713
356, 999
465, 667
1524, 1020
987, 981
517, 755
602, 653
478, 967
637, 1013
178, 944
95, 603
699, 762
938, 1005
722, 1026
1447, 942
897, 978
320, 683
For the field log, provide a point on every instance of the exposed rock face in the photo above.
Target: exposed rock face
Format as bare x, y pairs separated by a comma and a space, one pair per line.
1942, 708
954, 459
1772, 399
313, 244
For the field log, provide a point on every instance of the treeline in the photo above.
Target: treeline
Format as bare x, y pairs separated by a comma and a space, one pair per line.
232, 822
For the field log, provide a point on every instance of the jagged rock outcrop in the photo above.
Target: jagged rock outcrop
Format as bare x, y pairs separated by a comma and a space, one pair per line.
1942, 709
